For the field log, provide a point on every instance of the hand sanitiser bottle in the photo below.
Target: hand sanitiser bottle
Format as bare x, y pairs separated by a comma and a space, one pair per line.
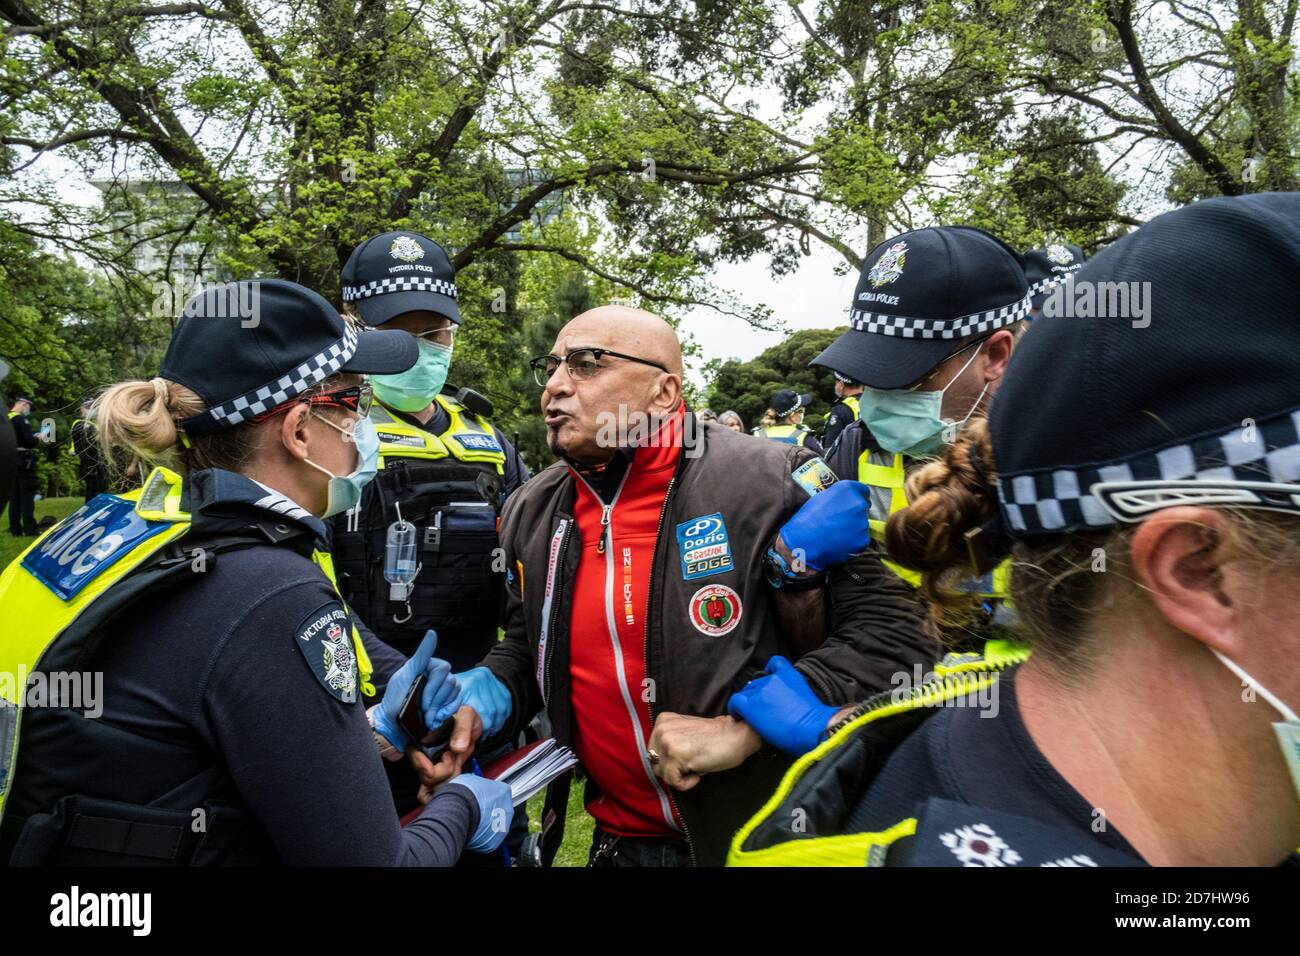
400, 565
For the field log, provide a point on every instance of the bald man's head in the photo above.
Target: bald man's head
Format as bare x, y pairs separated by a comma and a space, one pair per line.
580, 403
623, 329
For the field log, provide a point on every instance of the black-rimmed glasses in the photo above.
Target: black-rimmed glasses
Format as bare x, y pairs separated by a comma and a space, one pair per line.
582, 364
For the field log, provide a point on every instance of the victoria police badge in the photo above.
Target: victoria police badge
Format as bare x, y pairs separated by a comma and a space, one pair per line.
889, 266
325, 640
406, 249
1059, 254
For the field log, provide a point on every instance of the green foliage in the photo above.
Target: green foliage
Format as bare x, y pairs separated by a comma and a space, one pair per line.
65, 336
746, 387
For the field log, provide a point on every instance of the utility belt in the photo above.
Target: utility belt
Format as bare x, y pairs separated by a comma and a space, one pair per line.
88, 831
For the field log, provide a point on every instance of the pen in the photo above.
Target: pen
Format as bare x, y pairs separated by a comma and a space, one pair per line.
478, 772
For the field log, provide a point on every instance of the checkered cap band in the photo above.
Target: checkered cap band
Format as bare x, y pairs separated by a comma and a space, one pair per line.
1059, 501
1043, 285
399, 284
959, 328
251, 404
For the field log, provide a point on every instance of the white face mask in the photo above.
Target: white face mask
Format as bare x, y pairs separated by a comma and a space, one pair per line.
1287, 729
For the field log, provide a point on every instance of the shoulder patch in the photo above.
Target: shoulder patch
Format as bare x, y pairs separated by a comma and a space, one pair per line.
813, 476
704, 546
325, 640
954, 834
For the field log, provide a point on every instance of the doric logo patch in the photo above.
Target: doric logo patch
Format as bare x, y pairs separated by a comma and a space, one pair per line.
704, 546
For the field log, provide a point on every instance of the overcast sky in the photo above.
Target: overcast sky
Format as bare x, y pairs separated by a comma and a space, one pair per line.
814, 297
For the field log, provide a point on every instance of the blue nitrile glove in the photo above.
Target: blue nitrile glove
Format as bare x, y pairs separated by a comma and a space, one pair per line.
441, 695
480, 689
831, 526
440, 690
495, 811
782, 708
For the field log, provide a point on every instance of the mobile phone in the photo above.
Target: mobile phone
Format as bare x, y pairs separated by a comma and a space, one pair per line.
411, 719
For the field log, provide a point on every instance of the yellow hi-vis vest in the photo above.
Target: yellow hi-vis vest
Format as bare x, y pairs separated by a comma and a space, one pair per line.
852, 402
466, 438
893, 479
763, 841
60, 577
786, 434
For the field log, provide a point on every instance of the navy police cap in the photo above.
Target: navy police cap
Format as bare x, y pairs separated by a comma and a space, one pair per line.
1047, 266
1170, 375
919, 296
788, 401
246, 347
400, 272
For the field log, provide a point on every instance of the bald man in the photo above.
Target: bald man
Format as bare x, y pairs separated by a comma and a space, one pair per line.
640, 588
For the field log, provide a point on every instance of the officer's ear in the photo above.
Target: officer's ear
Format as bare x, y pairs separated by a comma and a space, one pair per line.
1184, 558
997, 353
293, 430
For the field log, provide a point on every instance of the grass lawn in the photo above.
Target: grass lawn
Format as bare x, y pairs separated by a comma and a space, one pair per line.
577, 830
57, 508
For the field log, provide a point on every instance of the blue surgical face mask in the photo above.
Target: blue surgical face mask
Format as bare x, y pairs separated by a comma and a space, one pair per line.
415, 388
345, 490
911, 422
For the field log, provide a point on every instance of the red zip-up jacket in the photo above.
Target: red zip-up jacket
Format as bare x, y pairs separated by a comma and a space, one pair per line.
607, 665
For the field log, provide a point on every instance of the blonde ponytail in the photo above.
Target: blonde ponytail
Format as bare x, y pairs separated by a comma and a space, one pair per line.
137, 422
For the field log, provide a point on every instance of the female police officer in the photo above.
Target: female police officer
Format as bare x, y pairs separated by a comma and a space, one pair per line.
1144, 464
229, 726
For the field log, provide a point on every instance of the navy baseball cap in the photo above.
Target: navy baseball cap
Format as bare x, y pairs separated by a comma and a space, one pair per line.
1048, 266
247, 347
788, 401
922, 294
1179, 385
400, 272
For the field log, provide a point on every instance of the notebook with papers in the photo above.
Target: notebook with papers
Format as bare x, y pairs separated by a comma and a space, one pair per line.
527, 770
530, 769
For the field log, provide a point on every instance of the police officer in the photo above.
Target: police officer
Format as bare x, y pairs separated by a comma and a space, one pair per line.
85, 446
1145, 726
845, 411
443, 467
230, 725
932, 327
1047, 267
783, 421
22, 501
